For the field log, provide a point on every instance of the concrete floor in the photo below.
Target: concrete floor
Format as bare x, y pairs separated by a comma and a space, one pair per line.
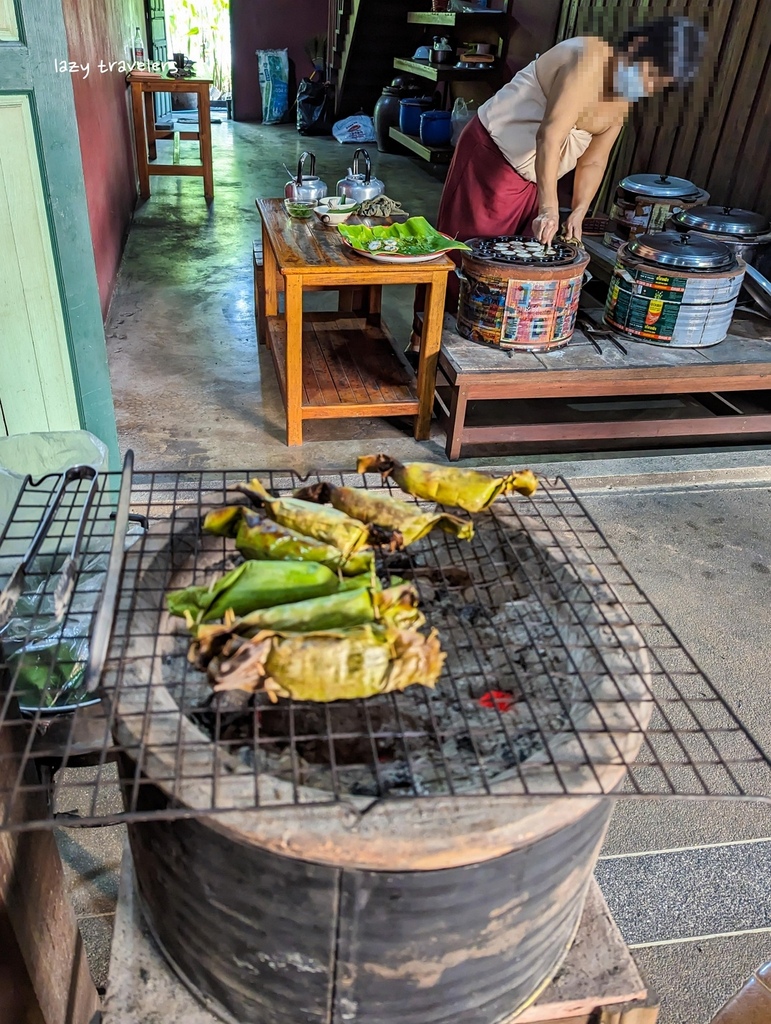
191, 391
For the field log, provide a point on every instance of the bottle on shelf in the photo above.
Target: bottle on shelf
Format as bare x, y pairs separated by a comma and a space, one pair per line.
139, 46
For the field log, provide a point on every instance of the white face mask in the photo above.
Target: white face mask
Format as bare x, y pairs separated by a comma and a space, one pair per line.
629, 82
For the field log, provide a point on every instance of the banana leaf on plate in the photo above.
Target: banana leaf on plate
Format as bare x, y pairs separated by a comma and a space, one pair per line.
413, 237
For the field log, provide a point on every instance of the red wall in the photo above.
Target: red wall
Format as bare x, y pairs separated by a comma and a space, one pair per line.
103, 30
270, 25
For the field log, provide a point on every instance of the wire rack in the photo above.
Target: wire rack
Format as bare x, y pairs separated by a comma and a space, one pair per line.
561, 678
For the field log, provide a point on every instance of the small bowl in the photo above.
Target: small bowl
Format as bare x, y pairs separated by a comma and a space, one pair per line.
335, 214
299, 209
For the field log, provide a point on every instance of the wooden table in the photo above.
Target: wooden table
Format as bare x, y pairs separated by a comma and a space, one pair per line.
480, 373
337, 365
146, 134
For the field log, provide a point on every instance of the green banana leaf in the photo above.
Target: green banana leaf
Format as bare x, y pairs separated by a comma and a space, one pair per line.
406, 523
414, 237
255, 585
261, 538
396, 606
346, 664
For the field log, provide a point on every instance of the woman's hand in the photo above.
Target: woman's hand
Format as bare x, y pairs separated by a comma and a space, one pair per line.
574, 225
546, 225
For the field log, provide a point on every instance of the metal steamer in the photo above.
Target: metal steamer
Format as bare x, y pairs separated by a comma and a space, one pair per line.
747, 234
675, 290
645, 203
515, 294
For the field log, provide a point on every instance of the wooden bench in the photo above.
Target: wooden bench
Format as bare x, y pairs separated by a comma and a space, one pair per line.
478, 373
350, 299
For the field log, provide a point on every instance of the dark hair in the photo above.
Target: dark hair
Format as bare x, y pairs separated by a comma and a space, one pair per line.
674, 45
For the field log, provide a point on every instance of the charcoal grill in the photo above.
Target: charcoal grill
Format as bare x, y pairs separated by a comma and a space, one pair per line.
508, 249
424, 854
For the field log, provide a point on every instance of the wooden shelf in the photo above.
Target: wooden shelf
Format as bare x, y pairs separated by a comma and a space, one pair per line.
349, 368
450, 18
434, 154
437, 73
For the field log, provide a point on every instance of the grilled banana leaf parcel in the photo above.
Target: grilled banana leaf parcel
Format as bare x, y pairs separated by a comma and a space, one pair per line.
325, 524
405, 523
396, 606
461, 488
261, 538
345, 664
254, 585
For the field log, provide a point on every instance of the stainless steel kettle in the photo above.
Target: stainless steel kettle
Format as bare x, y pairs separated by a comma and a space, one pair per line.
360, 186
306, 188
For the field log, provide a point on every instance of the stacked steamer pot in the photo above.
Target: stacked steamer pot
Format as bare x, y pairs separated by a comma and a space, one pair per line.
516, 295
746, 233
674, 289
645, 203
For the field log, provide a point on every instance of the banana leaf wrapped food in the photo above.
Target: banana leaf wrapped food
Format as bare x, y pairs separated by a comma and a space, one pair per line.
256, 585
325, 524
395, 606
261, 538
404, 523
461, 488
344, 664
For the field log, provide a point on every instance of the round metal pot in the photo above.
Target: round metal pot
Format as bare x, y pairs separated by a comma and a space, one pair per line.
747, 234
657, 186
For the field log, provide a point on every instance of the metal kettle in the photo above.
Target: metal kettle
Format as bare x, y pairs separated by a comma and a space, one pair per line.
306, 188
360, 186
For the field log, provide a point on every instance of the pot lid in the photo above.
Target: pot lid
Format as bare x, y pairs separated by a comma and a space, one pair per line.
724, 220
661, 185
691, 252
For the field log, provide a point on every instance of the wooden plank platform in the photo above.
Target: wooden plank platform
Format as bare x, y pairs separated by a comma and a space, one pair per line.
434, 154
599, 972
349, 368
478, 373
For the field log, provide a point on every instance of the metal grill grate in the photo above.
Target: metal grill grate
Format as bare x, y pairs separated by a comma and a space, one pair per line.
561, 678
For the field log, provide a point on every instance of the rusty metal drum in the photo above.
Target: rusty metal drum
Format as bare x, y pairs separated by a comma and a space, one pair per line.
515, 296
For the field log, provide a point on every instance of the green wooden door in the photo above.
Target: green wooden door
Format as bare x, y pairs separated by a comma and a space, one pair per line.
53, 357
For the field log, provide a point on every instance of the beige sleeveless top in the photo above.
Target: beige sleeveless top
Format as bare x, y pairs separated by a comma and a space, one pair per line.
512, 118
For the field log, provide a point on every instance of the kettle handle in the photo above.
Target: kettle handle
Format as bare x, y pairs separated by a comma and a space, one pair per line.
305, 155
367, 165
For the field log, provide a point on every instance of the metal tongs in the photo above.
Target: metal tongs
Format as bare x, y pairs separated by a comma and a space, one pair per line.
69, 570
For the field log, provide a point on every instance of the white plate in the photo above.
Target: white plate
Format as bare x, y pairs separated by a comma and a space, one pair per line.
394, 257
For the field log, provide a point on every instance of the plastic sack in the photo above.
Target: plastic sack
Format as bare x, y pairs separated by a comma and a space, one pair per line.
462, 113
358, 128
315, 107
274, 84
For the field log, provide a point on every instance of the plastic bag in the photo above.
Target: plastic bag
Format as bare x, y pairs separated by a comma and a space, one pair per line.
358, 128
462, 113
315, 109
41, 454
274, 84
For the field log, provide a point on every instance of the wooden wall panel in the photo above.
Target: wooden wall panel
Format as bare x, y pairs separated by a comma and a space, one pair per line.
715, 133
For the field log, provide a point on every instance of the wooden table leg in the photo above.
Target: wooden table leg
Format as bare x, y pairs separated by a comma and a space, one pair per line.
150, 126
269, 297
140, 139
457, 421
204, 141
293, 297
430, 343
374, 303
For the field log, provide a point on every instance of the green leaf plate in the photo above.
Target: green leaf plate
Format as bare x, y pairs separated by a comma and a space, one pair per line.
415, 240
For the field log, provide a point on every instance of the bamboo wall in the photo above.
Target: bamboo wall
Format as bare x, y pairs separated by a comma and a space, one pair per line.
717, 133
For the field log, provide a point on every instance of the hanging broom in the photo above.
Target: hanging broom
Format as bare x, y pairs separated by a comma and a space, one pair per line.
316, 52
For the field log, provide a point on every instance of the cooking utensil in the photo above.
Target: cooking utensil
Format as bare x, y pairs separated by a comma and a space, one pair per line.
358, 186
13, 590
306, 188
69, 570
441, 51
691, 252
748, 234
658, 186
759, 288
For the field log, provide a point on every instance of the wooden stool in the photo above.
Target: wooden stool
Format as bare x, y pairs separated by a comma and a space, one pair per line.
351, 300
